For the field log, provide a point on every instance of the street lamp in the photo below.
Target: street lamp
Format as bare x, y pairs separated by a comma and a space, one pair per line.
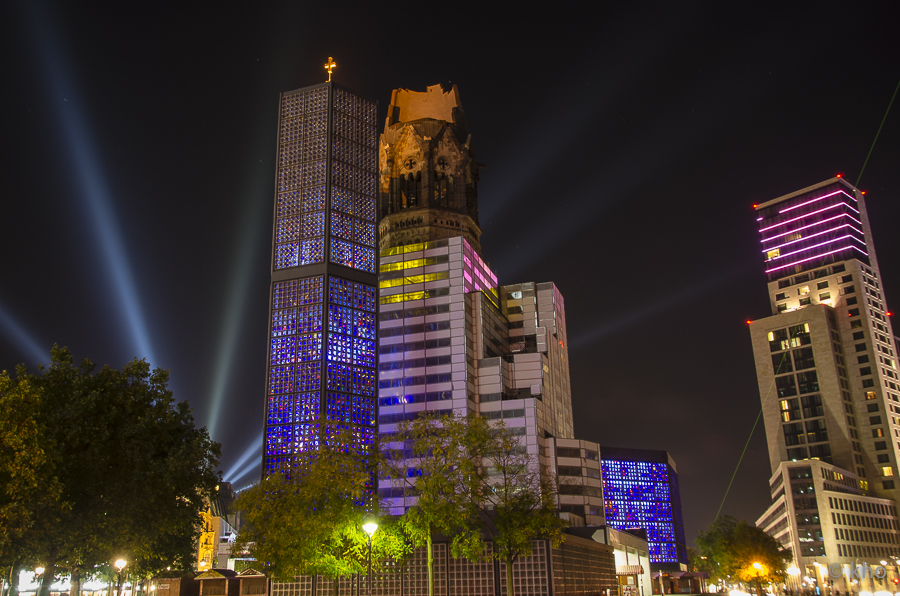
758, 568
39, 576
120, 565
369, 526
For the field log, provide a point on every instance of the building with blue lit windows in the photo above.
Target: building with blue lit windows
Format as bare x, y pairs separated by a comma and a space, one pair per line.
321, 346
640, 489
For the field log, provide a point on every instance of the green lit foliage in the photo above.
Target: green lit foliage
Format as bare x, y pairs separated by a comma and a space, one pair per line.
730, 548
436, 458
519, 501
308, 521
131, 469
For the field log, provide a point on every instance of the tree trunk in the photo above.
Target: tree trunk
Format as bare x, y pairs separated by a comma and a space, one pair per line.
510, 591
334, 588
46, 580
75, 580
430, 566
14, 580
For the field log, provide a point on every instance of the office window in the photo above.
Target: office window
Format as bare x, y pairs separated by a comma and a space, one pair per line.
855, 324
877, 433
778, 340
846, 279
805, 301
803, 358
868, 383
872, 407
812, 406
782, 307
790, 410
781, 363
884, 458
783, 283
803, 291
879, 445
865, 371
786, 386
887, 471
825, 296
807, 382
821, 285
874, 419
860, 347
781, 296
851, 300
853, 312
888, 484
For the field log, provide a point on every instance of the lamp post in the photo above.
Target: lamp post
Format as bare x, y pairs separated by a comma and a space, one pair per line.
120, 565
369, 526
758, 568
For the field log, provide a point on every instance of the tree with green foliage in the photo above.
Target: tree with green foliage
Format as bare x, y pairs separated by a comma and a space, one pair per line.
132, 470
731, 548
308, 520
436, 459
519, 502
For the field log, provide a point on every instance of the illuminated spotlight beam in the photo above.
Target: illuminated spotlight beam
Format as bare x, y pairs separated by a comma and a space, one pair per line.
93, 186
641, 160
523, 164
22, 339
238, 292
635, 316
254, 466
252, 450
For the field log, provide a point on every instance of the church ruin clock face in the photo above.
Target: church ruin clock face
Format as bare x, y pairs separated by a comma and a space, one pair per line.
410, 163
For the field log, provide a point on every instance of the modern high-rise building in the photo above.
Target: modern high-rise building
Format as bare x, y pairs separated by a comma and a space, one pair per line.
451, 338
321, 348
828, 379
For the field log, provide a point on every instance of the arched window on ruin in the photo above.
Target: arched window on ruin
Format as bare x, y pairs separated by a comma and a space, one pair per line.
441, 193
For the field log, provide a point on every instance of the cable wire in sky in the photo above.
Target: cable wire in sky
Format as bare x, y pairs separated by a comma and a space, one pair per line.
876, 135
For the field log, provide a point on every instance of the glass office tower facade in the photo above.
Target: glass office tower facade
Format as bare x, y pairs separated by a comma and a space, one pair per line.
321, 347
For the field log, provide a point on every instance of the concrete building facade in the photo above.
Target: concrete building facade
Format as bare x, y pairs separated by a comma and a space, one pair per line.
828, 380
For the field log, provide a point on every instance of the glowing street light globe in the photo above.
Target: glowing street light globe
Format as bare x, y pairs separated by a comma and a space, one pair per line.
370, 527
39, 570
757, 566
120, 564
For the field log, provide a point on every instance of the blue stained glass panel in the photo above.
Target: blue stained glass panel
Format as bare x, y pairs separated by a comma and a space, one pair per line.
309, 290
286, 255
341, 198
340, 377
309, 376
364, 207
313, 224
287, 229
288, 202
363, 232
340, 320
283, 350
364, 258
363, 381
307, 405
281, 410
340, 348
364, 297
341, 225
364, 352
341, 291
309, 347
284, 294
339, 407
341, 252
314, 198
284, 322
364, 411
312, 251
364, 325
309, 318
281, 379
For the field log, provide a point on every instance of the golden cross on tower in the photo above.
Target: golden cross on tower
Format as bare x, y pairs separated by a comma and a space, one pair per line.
329, 66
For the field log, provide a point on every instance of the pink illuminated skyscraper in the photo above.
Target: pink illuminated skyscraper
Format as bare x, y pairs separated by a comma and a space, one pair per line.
828, 379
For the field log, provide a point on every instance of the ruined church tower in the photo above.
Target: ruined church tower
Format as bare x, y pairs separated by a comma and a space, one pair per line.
427, 170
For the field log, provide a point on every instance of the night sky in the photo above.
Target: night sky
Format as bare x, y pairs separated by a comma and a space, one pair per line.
624, 149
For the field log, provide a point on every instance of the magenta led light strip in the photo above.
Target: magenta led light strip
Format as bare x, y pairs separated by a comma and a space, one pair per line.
816, 257
784, 223
818, 199
846, 225
787, 254
818, 223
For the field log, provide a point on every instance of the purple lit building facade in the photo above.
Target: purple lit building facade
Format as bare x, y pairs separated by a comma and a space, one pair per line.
828, 380
321, 350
